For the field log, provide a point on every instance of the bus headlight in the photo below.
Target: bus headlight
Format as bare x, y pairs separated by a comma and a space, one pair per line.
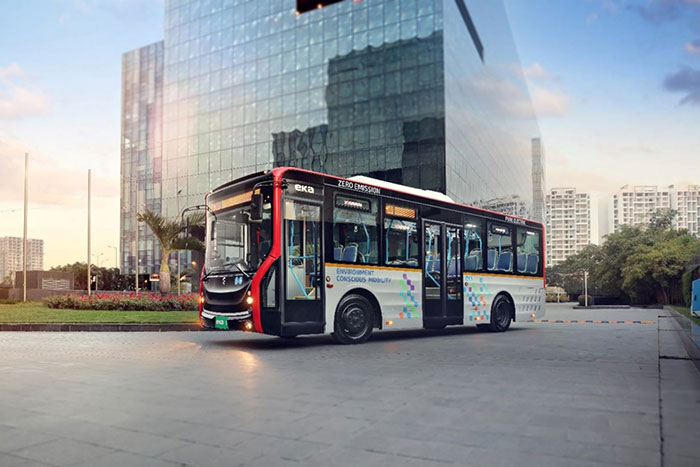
249, 300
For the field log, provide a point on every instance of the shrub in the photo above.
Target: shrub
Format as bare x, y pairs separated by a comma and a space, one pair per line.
582, 300
124, 302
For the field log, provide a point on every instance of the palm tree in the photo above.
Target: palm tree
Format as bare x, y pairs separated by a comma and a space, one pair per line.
168, 232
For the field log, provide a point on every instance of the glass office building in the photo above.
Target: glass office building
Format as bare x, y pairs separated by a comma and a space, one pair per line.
141, 154
426, 93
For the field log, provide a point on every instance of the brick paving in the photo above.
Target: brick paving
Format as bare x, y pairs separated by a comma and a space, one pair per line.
540, 394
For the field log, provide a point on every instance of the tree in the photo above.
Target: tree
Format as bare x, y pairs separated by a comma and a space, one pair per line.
652, 271
569, 274
168, 232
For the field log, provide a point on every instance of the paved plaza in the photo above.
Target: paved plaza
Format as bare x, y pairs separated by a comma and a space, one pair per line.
540, 394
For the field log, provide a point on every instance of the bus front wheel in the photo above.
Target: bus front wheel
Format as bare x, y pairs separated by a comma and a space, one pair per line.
354, 320
501, 314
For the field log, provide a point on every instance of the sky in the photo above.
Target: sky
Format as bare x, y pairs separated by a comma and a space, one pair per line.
616, 85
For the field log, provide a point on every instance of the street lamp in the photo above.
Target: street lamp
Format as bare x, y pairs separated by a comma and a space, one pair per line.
178, 250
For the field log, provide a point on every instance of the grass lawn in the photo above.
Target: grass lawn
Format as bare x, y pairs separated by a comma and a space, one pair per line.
686, 312
36, 312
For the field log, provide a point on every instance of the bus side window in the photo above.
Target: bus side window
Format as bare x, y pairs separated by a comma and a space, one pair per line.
473, 244
529, 251
401, 243
355, 232
500, 248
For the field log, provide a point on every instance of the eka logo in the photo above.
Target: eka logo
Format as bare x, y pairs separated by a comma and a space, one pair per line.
304, 188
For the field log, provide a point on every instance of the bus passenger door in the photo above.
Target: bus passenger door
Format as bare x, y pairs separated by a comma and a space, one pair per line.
302, 312
442, 275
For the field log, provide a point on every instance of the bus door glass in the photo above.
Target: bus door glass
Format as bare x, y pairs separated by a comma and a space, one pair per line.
302, 261
432, 270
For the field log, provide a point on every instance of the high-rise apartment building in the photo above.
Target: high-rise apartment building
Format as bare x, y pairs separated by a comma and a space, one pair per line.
635, 205
687, 203
419, 92
568, 223
11, 255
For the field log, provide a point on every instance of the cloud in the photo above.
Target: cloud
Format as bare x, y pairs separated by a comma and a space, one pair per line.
17, 102
687, 81
534, 71
506, 98
658, 11
549, 102
592, 18
693, 48
11, 71
49, 183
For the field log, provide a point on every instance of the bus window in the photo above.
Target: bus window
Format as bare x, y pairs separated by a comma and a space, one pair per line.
473, 244
499, 253
355, 233
401, 243
528, 251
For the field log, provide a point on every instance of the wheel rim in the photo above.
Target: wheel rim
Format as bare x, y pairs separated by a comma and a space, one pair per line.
503, 315
354, 321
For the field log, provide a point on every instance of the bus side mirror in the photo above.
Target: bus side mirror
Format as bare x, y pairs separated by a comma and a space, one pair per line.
256, 207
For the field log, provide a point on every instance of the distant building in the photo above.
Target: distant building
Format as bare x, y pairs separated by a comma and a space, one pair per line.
512, 205
538, 186
635, 205
568, 222
11, 255
687, 202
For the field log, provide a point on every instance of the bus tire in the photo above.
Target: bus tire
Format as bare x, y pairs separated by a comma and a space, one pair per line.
354, 320
501, 314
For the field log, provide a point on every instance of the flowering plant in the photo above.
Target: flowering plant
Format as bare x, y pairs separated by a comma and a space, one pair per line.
124, 301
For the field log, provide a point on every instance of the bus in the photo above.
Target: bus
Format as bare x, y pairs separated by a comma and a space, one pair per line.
290, 252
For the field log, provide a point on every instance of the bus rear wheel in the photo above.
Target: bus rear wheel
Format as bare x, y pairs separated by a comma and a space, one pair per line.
354, 320
501, 314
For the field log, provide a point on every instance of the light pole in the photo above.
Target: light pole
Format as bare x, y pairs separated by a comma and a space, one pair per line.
585, 288
89, 256
178, 250
24, 241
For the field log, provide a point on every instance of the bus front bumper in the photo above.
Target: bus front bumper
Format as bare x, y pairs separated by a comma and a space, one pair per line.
237, 321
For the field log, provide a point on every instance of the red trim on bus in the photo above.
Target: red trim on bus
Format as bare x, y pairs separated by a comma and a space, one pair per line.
274, 252
544, 258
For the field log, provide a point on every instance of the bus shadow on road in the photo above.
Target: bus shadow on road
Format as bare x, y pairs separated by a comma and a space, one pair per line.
277, 343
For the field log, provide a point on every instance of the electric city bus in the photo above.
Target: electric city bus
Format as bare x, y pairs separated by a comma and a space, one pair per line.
291, 252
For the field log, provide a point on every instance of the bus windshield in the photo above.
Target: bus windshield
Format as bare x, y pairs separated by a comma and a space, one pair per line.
235, 243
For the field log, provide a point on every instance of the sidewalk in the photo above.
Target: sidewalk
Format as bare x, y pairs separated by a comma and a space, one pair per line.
679, 392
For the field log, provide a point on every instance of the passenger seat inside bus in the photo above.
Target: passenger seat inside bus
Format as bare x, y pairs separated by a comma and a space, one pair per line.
505, 261
492, 254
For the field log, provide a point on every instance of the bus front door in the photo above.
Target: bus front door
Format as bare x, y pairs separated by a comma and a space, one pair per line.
442, 275
302, 312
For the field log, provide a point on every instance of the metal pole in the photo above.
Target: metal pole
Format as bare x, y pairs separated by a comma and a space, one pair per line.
585, 288
136, 258
178, 272
89, 275
24, 248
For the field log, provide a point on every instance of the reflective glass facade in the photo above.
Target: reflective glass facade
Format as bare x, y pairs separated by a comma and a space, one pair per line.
141, 154
394, 89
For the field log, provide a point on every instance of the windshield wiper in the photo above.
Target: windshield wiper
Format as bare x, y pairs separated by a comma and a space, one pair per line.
241, 269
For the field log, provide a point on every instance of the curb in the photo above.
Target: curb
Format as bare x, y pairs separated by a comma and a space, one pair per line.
684, 326
602, 307
98, 327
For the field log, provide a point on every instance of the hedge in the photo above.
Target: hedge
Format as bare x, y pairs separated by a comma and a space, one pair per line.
124, 302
